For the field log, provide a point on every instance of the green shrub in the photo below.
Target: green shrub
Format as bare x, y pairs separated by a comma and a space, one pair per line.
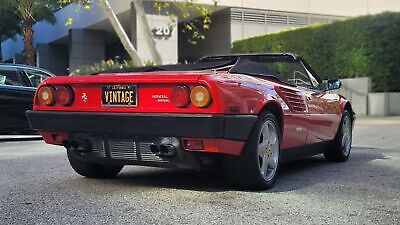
356, 47
101, 66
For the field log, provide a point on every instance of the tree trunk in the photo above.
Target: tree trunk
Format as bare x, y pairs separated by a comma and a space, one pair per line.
148, 36
27, 35
119, 30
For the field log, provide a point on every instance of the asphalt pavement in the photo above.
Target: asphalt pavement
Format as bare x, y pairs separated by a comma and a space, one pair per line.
37, 186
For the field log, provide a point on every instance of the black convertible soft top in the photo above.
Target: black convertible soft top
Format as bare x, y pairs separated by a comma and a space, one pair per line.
175, 67
251, 64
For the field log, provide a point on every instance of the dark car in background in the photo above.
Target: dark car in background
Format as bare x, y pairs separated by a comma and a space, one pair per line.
17, 88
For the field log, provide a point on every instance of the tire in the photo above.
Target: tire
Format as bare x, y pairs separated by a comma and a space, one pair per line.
92, 170
258, 165
340, 148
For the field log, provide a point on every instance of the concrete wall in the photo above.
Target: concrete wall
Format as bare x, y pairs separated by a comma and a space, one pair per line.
53, 57
250, 22
165, 36
356, 90
86, 47
394, 103
378, 104
217, 39
337, 7
365, 102
384, 104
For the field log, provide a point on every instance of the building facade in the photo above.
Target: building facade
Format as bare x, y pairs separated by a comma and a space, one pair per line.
90, 38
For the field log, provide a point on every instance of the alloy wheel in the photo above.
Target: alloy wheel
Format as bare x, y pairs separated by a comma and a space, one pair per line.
268, 150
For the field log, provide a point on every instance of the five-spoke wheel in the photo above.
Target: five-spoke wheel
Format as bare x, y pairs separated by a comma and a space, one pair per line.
268, 150
340, 148
258, 165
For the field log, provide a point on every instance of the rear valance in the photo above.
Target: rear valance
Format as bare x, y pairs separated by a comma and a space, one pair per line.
234, 127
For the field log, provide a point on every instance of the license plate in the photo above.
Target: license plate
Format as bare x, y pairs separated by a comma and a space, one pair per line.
119, 95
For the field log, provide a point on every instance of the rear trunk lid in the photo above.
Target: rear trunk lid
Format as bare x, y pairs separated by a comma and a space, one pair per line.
128, 92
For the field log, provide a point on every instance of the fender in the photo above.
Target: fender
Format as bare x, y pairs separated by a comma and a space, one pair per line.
345, 103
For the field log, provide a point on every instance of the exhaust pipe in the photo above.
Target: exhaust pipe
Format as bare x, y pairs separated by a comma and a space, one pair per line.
163, 151
78, 145
167, 150
74, 145
154, 149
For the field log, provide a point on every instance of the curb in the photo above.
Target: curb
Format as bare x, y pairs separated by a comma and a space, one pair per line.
20, 139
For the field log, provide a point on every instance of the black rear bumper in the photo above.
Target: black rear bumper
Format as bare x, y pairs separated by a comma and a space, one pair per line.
234, 127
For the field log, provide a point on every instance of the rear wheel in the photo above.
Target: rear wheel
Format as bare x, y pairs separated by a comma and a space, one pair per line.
258, 166
92, 170
341, 145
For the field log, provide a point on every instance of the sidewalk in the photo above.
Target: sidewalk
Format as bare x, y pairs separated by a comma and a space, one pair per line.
10, 138
377, 132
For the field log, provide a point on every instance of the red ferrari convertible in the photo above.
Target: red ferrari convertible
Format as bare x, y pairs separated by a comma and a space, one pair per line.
243, 113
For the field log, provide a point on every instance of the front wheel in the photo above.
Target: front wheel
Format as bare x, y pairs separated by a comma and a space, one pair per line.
92, 170
340, 148
258, 165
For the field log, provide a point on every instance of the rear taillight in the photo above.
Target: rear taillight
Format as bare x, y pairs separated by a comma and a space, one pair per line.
50, 95
45, 95
64, 95
200, 96
180, 96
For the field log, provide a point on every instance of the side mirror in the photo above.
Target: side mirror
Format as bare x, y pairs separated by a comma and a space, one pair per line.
333, 84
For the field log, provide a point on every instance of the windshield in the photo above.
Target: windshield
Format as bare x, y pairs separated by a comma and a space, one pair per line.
286, 68
292, 72
282, 67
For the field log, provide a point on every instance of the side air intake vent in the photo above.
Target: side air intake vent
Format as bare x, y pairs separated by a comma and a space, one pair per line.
294, 99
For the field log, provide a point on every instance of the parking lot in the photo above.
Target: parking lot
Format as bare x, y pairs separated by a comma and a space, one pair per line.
37, 186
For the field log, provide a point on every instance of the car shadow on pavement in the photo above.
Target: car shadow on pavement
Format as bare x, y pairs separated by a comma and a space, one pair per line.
293, 175
314, 170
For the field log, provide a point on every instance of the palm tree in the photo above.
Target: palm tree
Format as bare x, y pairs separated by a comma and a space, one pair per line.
8, 25
28, 13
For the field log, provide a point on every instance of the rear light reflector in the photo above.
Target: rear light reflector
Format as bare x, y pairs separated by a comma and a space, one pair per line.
54, 138
193, 145
45, 95
180, 96
64, 95
200, 96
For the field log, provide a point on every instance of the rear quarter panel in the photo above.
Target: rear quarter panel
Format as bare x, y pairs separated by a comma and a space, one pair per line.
240, 94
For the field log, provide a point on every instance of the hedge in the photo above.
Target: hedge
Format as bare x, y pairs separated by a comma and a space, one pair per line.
101, 66
356, 47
